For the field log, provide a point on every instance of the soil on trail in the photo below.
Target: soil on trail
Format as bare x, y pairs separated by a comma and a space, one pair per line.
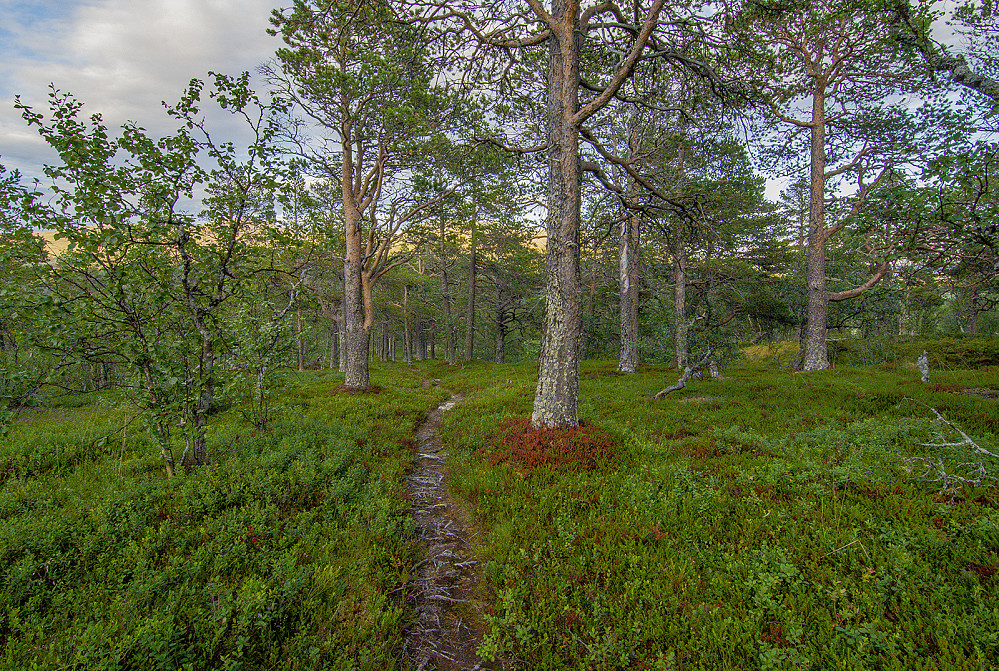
449, 627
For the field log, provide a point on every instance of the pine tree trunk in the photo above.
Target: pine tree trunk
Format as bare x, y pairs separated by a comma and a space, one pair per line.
816, 348
500, 326
629, 278
357, 331
680, 306
557, 392
470, 308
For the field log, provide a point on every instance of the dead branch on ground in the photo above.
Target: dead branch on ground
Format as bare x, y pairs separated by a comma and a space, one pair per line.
933, 469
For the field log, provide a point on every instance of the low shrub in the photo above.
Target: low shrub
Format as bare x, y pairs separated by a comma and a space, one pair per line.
945, 352
287, 551
583, 448
771, 529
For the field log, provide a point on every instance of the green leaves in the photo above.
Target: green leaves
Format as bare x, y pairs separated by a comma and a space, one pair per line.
146, 280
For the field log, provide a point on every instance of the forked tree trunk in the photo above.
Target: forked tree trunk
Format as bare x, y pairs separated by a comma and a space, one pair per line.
557, 392
556, 397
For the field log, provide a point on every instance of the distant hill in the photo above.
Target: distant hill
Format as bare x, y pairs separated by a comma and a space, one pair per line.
52, 246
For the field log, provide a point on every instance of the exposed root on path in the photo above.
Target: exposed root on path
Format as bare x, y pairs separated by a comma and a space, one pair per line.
448, 628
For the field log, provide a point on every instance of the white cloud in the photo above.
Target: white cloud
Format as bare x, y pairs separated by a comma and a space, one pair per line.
120, 57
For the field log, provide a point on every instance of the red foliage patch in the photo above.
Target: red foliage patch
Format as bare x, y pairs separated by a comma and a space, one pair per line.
655, 533
776, 636
950, 388
985, 572
699, 449
988, 499
583, 448
571, 620
254, 538
772, 493
989, 420
676, 434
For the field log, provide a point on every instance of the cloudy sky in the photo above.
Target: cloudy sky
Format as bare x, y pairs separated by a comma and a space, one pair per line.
120, 57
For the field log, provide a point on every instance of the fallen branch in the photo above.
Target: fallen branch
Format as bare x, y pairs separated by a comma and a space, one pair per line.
687, 372
976, 473
966, 439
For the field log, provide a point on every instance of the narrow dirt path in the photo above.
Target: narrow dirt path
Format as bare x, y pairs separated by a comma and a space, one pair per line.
448, 628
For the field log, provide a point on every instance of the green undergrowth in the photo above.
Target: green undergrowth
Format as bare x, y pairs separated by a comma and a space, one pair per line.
761, 521
288, 551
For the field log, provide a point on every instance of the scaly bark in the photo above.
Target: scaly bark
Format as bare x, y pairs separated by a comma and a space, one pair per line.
816, 347
557, 392
356, 330
470, 306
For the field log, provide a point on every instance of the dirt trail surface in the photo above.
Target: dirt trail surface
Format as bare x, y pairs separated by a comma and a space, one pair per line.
448, 629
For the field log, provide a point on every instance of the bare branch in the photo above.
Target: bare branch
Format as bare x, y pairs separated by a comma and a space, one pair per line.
625, 69
687, 372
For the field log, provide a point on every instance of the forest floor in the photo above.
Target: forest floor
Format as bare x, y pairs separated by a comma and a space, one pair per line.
768, 520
